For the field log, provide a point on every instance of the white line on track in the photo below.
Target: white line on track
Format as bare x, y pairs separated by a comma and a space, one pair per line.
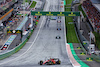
29, 42
29, 47
32, 42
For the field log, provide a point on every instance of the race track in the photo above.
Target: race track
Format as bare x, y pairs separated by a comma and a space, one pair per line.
42, 44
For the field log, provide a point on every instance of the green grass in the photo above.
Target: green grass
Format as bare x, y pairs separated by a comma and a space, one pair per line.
68, 1
33, 4
68, 5
71, 34
66, 8
28, 1
80, 9
97, 38
13, 0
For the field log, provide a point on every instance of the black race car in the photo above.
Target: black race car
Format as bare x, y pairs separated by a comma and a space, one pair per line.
58, 28
51, 61
58, 21
58, 37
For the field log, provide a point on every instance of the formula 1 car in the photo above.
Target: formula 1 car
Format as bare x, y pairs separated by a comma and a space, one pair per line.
53, 18
58, 21
58, 28
58, 37
59, 17
51, 61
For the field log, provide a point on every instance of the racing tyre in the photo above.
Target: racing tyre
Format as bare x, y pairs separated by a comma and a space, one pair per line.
58, 28
58, 62
41, 62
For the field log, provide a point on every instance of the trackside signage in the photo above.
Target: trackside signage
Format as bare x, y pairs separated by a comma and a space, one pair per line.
41, 13
14, 31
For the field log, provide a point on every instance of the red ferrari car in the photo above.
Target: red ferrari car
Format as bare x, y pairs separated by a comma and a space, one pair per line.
51, 61
58, 21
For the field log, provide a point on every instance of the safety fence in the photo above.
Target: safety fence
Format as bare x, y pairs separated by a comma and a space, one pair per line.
94, 56
82, 39
12, 39
9, 53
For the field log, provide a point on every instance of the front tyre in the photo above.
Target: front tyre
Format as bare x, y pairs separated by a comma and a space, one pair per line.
41, 62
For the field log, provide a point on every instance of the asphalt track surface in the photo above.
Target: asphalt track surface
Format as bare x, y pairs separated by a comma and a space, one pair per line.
42, 44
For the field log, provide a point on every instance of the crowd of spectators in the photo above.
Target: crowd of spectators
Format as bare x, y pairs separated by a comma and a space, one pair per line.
93, 14
10, 24
12, 21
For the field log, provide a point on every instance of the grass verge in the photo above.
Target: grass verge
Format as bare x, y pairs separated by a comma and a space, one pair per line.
80, 9
68, 2
33, 4
97, 38
71, 34
27, 1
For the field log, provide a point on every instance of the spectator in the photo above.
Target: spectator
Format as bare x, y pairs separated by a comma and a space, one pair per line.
93, 13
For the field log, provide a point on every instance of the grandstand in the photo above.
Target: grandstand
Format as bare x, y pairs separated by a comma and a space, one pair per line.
92, 10
6, 11
5, 7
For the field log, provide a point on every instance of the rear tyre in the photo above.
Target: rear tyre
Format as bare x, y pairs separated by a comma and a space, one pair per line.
58, 62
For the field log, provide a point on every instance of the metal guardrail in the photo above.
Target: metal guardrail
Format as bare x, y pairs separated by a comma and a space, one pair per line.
12, 37
79, 34
96, 57
9, 53
84, 50
80, 37
16, 49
